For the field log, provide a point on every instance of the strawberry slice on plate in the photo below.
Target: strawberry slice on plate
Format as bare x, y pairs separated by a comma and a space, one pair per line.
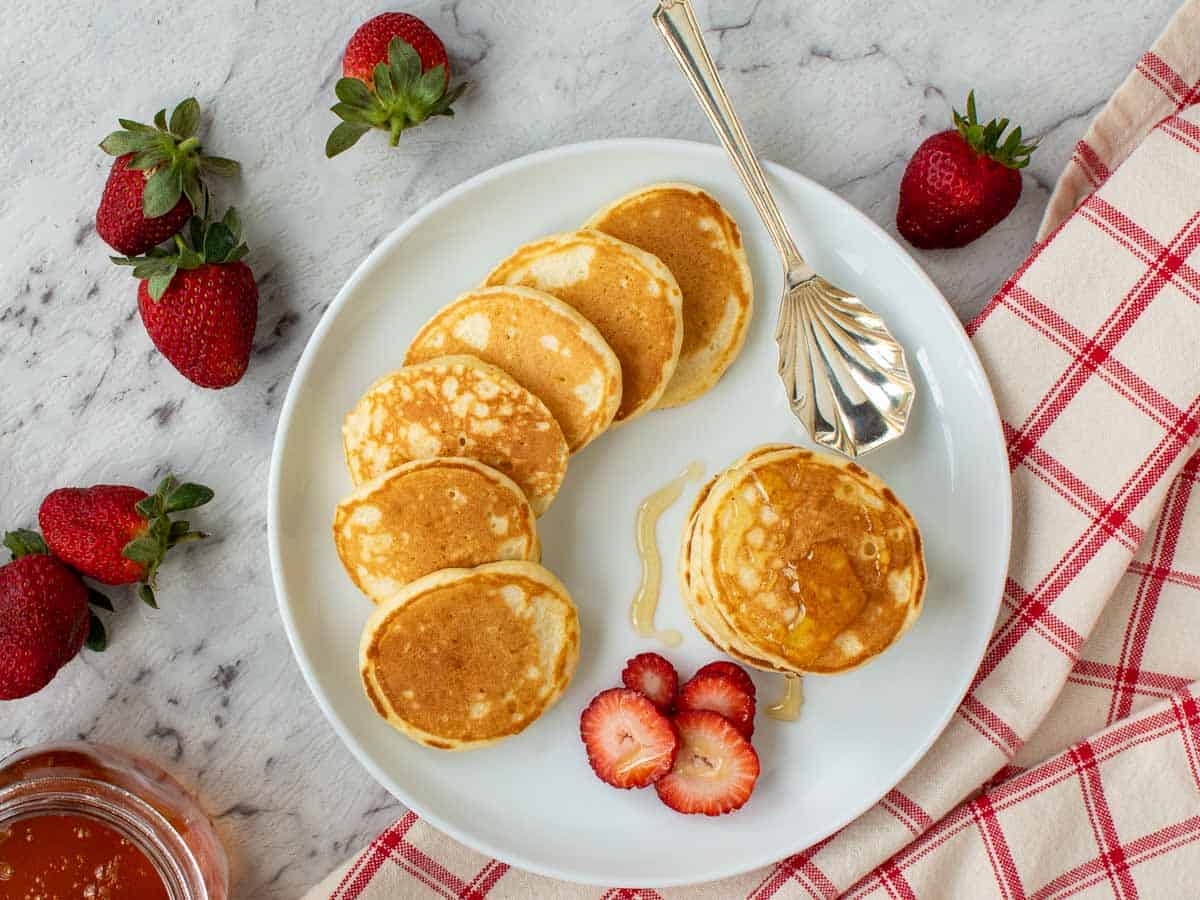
720, 695
630, 744
653, 676
715, 769
733, 672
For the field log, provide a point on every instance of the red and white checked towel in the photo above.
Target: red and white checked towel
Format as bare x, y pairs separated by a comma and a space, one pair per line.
1083, 723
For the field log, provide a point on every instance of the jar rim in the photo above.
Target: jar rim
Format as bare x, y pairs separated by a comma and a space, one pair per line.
123, 811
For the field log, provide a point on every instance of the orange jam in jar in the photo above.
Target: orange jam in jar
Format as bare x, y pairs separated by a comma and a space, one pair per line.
88, 821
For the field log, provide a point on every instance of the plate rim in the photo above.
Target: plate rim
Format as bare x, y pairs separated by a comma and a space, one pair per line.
397, 236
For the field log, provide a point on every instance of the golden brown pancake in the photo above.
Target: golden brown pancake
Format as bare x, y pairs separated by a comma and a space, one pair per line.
700, 243
802, 562
627, 293
427, 515
463, 658
549, 348
457, 406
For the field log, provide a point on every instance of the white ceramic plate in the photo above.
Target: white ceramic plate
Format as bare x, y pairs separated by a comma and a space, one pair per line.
532, 801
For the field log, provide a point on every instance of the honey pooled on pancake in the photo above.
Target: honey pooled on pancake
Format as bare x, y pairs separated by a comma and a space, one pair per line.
628, 294
463, 658
428, 515
457, 406
545, 345
803, 562
700, 243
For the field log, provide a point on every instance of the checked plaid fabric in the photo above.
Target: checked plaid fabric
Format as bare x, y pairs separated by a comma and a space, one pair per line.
1072, 767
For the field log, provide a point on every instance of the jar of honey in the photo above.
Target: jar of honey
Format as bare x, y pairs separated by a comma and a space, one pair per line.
87, 820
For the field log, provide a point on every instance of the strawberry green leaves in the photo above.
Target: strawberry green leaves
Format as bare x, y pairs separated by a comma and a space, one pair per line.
23, 542
207, 242
97, 636
400, 96
161, 532
985, 139
171, 152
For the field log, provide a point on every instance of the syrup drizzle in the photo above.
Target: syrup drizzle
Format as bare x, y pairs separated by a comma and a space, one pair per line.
787, 708
645, 601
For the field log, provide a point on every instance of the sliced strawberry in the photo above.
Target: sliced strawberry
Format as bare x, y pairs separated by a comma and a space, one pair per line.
715, 769
654, 677
733, 672
721, 695
629, 742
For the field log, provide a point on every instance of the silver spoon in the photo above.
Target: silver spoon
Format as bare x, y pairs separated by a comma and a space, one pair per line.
846, 376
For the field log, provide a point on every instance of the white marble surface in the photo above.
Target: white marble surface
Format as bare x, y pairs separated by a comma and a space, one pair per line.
841, 90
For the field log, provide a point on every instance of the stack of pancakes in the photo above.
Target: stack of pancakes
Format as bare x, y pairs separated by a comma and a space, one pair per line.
795, 561
455, 454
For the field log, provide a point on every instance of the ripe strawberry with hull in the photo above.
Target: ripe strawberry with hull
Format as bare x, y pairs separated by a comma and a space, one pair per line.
119, 534
961, 183
200, 303
44, 616
715, 769
395, 76
630, 744
156, 181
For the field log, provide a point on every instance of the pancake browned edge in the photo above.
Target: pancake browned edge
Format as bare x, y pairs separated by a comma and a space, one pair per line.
693, 596
700, 243
799, 561
427, 515
457, 406
628, 294
549, 348
463, 658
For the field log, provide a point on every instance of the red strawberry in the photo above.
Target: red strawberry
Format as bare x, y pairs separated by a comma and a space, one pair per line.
44, 616
629, 742
396, 75
200, 304
733, 672
118, 534
961, 183
653, 676
715, 770
155, 182
369, 45
721, 695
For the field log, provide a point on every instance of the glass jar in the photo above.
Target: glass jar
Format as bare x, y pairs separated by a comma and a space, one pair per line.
142, 804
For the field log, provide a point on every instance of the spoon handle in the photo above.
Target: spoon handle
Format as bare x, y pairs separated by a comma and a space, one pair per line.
677, 23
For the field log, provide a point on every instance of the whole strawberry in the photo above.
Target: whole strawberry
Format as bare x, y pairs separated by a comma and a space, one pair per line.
44, 616
396, 75
961, 183
200, 303
156, 179
118, 534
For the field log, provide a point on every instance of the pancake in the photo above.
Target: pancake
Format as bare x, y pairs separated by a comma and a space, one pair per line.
627, 293
463, 658
802, 562
457, 406
701, 244
428, 515
549, 348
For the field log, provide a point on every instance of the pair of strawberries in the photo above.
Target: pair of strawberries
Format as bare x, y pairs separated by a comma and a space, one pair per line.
114, 534
691, 742
197, 299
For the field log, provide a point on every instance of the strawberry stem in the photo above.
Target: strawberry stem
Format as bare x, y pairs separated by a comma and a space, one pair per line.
986, 139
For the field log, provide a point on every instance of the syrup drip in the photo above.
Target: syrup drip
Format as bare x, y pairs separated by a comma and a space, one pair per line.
645, 601
787, 709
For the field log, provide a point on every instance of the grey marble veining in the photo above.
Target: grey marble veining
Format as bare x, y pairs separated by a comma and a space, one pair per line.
841, 90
